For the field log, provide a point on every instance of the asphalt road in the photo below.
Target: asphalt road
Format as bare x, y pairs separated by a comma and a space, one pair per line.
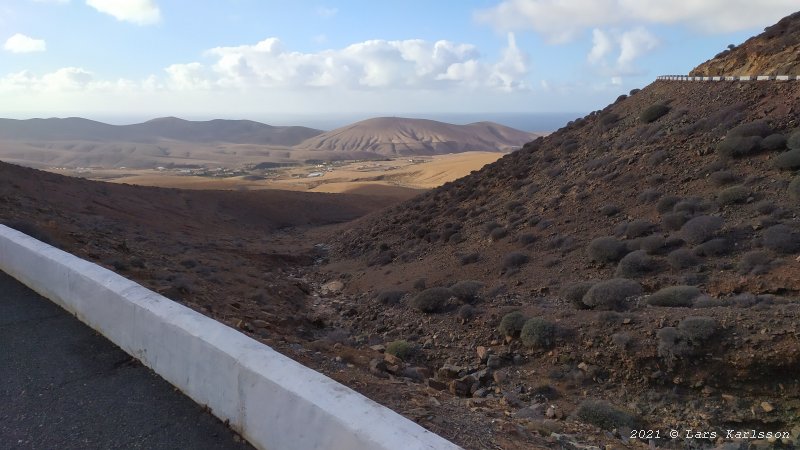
63, 386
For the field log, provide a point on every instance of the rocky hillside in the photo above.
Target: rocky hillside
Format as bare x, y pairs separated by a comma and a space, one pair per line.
393, 136
774, 52
638, 267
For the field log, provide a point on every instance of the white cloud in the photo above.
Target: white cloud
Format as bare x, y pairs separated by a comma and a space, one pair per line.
139, 12
602, 45
51, 1
326, 11
630, 45
560, 21
408, 64
19, 43
65, 80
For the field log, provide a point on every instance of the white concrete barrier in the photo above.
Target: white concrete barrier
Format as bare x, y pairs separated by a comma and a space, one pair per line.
273, 401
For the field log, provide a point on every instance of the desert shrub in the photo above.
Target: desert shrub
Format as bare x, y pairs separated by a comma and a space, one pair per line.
469, 258
781, 238
30, 229
119, 265
511, 324
456, 238
674, 296
538, 333
612, 294
738, 146
648, 196
755, 262
775, 141
466, 312
733, 194
723, 177
657, 157
498, 233
704, 301
765, 207
515, 260
794, 140
606, 249
574, 292
401, 349
686, 340
794, 188
638, 228
690, 205
432, 299
604, 415
653, 113
682, 259
527, 239
467, 290
665, 204
189, 263
673, 345
698, 329
420, 284
788, 160
390, 297
489, 226
652, 244
674, 221
758, 128
634, 91
701, 228
714, 247
636, 264
609, 210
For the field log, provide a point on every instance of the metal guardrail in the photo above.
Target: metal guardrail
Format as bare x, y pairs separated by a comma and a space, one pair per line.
729, 78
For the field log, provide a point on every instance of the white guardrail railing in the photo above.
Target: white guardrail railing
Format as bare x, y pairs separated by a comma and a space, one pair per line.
729, 78
273, 401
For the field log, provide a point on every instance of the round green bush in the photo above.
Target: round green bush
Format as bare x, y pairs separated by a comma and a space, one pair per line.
515, 260
794, 140
774, 141
605, 415
788, 160
733, 194
636, 264
606, 249
612, 294
701, 228
794, 188
401, 348
538, 333
698, 329
511, 324
653, 113
431, 300
674, 296
574, 292
467, 290
738, 146
682, 258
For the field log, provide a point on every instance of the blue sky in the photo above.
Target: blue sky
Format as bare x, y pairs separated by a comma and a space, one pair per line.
261, 58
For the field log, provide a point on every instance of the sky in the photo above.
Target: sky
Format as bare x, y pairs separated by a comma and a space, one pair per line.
262, 59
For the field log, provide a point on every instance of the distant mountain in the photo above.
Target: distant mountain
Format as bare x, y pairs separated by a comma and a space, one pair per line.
776, 51
391, 136
167, 128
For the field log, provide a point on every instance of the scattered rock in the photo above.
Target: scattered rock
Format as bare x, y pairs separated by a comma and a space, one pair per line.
767, 407
493, 362
436, 384
483, 353
449, 371
377, 367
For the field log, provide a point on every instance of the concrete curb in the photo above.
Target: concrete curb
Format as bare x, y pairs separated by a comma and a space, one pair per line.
273, 401
721, 78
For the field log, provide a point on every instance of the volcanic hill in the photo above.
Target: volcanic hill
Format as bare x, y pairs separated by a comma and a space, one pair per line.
397, 136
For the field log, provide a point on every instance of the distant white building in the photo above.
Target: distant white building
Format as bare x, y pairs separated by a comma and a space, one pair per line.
315, 174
